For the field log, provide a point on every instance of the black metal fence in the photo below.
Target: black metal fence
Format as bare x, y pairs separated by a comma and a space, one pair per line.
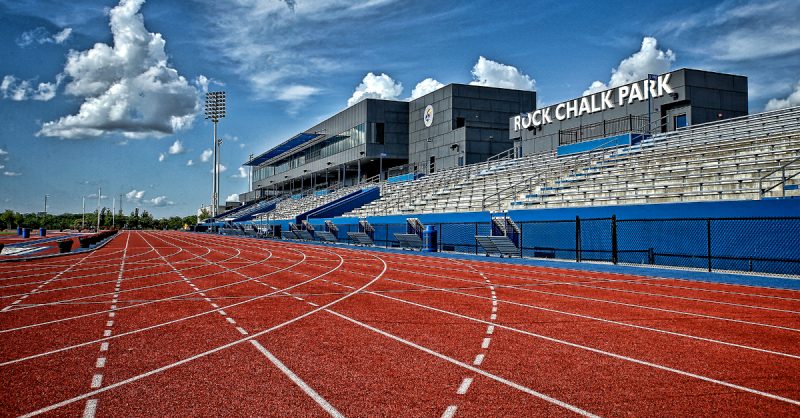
763, 245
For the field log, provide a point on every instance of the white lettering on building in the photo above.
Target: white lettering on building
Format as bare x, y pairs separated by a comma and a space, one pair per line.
597, 102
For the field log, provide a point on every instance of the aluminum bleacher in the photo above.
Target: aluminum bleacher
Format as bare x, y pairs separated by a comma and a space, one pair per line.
749, 157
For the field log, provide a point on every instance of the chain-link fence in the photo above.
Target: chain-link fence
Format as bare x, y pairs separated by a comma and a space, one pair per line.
761, 245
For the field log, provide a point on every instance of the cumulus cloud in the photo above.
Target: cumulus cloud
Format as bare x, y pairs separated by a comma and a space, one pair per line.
232, 198
490, 73
424, 87
206, 155
221, 168
648, 60
242, 174
189, 163
11, 174
176, 148
134, 195
160, 201
376, 87
41, 36
19, 90
3, 152
161, 157
128, 87
792, 100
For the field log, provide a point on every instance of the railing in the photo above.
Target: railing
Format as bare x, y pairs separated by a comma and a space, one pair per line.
762, 191
602, 129
504, 155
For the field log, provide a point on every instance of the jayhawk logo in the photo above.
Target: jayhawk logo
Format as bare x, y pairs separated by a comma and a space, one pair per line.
428, 116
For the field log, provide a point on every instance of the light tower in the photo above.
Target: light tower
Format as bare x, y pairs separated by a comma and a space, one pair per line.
215, 110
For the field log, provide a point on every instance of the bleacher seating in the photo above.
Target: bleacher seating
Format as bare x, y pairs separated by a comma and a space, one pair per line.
720, 160
248, 211
292, 207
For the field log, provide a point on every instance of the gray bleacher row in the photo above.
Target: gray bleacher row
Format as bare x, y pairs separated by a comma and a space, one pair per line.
720, 160
290, 208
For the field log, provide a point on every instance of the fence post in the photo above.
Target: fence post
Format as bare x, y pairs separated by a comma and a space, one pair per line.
578, 238
521, 245
614, 239
476, 240
708, 240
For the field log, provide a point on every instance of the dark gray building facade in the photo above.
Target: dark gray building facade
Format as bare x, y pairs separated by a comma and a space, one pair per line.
675, 99
468, 124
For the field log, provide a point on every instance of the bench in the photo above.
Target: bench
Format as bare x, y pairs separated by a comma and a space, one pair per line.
325, 236
410, 241
498, 244
360, 238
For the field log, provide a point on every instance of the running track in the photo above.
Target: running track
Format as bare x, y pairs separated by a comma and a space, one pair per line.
169, 323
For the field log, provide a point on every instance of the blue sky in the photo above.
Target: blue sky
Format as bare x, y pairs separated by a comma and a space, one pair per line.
107, 93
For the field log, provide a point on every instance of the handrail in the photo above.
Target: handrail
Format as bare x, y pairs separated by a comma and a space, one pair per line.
782, 169
503, 155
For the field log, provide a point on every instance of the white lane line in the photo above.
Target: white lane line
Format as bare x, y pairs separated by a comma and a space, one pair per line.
109, 323
215, 306
450, 412
107, 333
490, 330
478, 360
494, 377
241, 330
597, 351
464, 387
312, 304
101, 362
97, 380
485, 343
494, 309
230, 320
104, 346
493, 317
112, 314
299, 382
221, 312
90, 409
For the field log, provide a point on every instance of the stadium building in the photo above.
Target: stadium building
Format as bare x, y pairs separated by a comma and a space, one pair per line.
670, 170
458, 125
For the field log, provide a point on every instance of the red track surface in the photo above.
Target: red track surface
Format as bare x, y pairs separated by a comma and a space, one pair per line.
182, 324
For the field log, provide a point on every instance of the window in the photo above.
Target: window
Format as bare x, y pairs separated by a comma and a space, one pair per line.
378, 133
461, 161
680, 121
460, 122
432, 165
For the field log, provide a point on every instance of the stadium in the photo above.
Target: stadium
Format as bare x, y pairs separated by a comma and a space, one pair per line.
469, 252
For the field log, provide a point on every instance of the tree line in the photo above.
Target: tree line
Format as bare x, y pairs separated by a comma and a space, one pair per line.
135, 220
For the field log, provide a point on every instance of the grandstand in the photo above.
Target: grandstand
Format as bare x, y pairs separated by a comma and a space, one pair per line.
748, 157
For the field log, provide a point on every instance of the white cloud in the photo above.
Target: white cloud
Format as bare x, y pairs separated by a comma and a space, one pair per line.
242, 174
160, 201
62, 36
94, 196
376, 87
648, 60
176, 148
19, 90
41, 36
220, 167
232, 198
296, 92
494, 74
3, 152
424, 87
11, 174
189, 163
792, 100
134, 195
161, 157
127, 87
206, 155
2, 166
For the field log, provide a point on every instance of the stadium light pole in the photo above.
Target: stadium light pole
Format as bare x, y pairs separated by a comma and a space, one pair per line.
215, 110
83, 214
650, 78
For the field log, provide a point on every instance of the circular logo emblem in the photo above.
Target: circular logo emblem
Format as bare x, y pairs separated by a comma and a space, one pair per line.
428, 116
